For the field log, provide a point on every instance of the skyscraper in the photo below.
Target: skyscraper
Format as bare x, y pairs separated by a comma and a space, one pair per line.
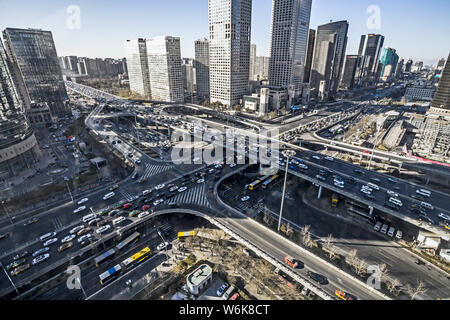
188, 71
36, 70
137, 65
440, 64
309, 54
229, 49
201, 64
408, 65
164, 64
441, 98
352, 63
289, 39
329, 55
18, 145
389, 59
261, 68
370, 49
252, 62
399, 69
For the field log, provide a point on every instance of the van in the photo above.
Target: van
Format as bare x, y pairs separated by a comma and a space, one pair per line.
228, 293
384, 229
118, 221
89, 217
108, 195
377, 226
47, 236
373, 186
391, 232
427, 205
399, 234
395, 201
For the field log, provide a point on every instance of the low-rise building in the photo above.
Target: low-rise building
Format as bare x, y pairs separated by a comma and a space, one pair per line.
199, 279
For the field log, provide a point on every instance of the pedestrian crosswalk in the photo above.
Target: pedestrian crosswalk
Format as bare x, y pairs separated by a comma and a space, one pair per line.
152, 170
195, 195
58, 224
126, 195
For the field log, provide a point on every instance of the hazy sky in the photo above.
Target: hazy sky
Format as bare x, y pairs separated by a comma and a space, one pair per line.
416, 28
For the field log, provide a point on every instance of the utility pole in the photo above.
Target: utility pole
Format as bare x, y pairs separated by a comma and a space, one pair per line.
69, 191
6, 211
287, 154
10, 280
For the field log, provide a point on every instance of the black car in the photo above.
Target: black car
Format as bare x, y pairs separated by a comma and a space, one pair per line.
426, 219
85, 243
352, 180
317, 277
21, 255
4, 236
391, 206
368, 196
359, 171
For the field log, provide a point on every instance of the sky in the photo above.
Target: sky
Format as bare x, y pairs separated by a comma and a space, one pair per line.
98, 28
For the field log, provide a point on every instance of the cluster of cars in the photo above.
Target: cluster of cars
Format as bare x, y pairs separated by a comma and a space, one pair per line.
385, 228
225, 291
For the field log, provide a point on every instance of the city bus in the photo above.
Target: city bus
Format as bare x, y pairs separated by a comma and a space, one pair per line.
269, 181
136, 258
110, 274
253, 185
128, 242
182, 235
105, 256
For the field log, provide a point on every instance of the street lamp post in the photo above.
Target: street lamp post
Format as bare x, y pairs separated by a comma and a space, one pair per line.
15, 288
287, 154
165, 247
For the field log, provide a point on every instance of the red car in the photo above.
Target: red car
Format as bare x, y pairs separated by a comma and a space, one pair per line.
127, 205
235, 296
291, 261
145, 207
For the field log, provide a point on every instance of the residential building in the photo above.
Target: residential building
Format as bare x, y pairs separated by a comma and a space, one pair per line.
201, 64
329, 56
36, 70
229, 49
441, 100
137, 66
164, 64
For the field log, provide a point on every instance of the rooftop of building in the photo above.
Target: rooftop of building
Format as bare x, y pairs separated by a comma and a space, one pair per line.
199, 274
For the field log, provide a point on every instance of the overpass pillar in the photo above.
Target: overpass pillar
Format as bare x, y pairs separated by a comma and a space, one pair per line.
319, 194
371, 210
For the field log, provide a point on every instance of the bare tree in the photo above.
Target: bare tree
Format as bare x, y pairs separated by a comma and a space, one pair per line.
360, 266
414, 291
393, 285
351, 257
266, 217
306, 236
384, 272
330, 249
289, 230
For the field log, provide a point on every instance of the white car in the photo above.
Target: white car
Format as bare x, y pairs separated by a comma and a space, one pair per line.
200, 180
41, 258
83, 201
69, 237
232, 165
50, 241
339, 184
155, 203
162, 246
103, 229
79, 209
329, 158
366, 191
143, 214
85, 237
160, 186
245, 198
182, 189
89, 217
108, 195
316, 157
444, 216
173, 188
392, 193
76, 229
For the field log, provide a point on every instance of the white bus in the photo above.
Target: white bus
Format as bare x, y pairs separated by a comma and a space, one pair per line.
424, 192
47, 236
373, 186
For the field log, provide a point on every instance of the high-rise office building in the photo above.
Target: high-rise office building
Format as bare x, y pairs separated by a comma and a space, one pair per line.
252, 62
417, 67
289, 39
329, 56
389, 59
229, 49
370, 48
309, 54
36, 70
440, 64
399, 69
261, 68
201, 64
137, 65
352, 64
18, 145
164, 64
408, 65
189, 81
441, 98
